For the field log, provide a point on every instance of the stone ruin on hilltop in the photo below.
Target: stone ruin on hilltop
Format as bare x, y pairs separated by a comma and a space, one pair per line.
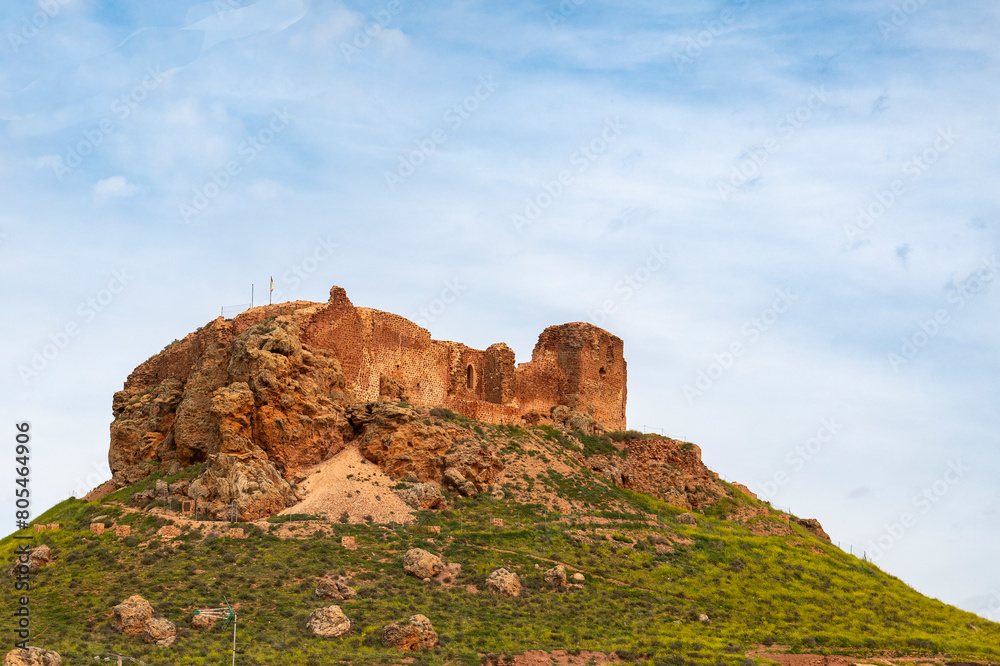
283, 387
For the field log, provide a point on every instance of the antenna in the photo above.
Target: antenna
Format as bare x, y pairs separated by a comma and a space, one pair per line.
220, 612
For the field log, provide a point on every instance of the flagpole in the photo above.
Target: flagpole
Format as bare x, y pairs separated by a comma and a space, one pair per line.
251, 295
270, 293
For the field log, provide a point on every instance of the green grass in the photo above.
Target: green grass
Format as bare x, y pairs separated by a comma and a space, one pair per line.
648, 579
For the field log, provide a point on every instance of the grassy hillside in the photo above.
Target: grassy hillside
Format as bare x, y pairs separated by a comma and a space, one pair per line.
648, 578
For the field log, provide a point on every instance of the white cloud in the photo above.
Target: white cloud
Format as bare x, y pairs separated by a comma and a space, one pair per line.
115, 187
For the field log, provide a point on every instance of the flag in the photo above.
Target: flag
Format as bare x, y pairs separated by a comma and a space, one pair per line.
272, 285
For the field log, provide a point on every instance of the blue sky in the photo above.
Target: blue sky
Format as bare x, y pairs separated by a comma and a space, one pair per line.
788, 211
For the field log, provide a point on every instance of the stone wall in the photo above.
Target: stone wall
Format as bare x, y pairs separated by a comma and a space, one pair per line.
577, 365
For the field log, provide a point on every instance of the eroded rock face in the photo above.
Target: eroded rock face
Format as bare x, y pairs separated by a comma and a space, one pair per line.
130, 616
812, 525
418, 634
160, 631
249, 399
253, 483
335, 588
665, 468
33, 656
328, 622
405, 447
421, 564
505, 583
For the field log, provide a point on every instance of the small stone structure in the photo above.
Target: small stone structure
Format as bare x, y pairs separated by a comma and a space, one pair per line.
496, 522
97, 528
123, 530
187, 507
236, 533
348, 543
169, 531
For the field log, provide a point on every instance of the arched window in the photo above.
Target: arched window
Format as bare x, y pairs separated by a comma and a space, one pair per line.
470, 377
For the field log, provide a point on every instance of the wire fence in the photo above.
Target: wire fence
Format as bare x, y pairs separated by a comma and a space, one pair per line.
230, 311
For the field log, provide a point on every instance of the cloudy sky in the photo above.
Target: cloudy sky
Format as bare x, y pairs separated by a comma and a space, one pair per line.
787, 210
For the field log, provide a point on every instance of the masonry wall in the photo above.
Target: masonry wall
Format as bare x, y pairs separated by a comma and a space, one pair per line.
578, 365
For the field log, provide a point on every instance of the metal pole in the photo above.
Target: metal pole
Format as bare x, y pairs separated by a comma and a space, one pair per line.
251, 296
234, 638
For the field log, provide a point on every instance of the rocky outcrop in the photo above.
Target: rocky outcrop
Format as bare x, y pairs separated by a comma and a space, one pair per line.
328, 622
33, 656
503, 582
418, 634
130, 616
555, 577
687, 519
32, 561
335, 588
252, 483
422, 496
159, 631
421, 564
247, 398
665, 468
813, 526
406, 447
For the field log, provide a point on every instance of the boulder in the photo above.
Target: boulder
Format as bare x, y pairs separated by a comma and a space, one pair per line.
417, 635
505, 583
704, 618
328, 622
454, 476
160, 631
38, 557
335, 588
418, 562
130, 616
422, 496
556, 576
579, 577
687, 519
33, 656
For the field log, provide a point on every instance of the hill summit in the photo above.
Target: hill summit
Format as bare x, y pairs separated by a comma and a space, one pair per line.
353, 490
